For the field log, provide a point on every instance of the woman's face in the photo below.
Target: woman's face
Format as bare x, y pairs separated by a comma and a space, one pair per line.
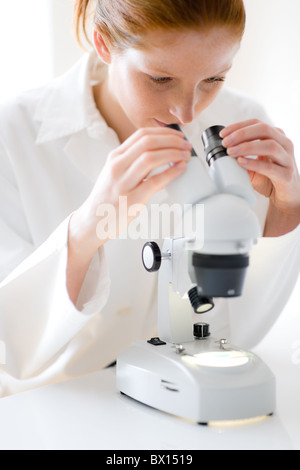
174, 78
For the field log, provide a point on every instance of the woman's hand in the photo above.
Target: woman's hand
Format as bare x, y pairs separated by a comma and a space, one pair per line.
273, 173
126, 174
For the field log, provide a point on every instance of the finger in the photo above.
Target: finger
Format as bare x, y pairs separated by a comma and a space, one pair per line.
256, 131
269, 148
148, 132
147, 146
236, 126
280, 130
142, 167
264, 167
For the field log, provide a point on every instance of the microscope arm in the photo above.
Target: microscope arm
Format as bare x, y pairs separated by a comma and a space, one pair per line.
174, 311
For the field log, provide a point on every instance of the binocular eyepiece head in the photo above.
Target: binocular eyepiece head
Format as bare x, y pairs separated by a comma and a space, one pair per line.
212, 142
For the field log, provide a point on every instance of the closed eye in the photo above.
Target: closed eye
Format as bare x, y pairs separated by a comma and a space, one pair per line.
160, 80
215, 80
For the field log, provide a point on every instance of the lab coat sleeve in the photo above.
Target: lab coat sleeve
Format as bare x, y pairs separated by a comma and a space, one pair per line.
271, 278
37, 317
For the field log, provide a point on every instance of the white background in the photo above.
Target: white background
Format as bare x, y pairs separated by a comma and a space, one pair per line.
37, 43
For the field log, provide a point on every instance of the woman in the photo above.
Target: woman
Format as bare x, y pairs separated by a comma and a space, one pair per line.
70, 299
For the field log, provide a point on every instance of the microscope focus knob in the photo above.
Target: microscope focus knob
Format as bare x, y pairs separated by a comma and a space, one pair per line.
151, 257
201, 330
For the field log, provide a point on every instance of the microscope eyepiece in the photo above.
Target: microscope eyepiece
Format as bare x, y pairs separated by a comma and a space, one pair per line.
229, 176
213, 144
176, 127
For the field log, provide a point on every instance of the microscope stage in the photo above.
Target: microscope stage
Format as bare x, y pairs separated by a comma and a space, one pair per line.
203, 380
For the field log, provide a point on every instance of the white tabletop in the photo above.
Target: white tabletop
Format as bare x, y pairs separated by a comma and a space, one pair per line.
90, 413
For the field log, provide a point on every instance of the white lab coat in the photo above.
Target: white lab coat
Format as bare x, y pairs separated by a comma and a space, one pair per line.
53, 144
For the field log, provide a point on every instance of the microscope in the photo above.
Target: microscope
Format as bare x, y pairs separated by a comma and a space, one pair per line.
187, 371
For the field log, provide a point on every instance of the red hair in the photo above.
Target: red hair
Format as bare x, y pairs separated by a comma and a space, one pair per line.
124, 22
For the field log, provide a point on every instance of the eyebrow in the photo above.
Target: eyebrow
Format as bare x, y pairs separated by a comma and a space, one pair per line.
225, 70
162, 72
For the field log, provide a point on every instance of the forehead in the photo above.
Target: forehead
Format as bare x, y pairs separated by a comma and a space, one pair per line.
174, 52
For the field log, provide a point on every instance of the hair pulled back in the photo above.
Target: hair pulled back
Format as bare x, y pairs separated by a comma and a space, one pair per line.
124, 22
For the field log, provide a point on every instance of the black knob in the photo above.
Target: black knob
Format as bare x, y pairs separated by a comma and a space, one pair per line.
178, 128
151, 257
200, 304
201, 330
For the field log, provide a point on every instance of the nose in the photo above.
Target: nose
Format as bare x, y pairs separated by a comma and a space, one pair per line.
184, 109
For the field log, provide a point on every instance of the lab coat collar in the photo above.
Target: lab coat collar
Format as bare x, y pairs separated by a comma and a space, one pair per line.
67, 105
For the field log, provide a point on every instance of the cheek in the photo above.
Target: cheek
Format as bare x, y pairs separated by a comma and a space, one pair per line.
206, 99
129, 98
141, 100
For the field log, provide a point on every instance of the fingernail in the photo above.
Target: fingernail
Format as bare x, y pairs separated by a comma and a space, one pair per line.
186, 154
227, 141
181, 166
223, 132
233, 151
242, 161
187, 144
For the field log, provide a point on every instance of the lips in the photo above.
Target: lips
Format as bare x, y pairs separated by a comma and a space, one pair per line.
163, 124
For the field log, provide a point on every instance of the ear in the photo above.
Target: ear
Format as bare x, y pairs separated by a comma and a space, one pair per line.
101, 48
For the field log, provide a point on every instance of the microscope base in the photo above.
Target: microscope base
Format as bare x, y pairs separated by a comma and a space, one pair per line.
203, 380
